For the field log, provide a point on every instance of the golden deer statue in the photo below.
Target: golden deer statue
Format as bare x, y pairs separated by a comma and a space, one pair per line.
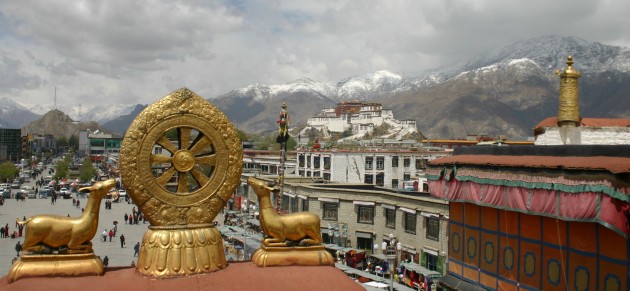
282, 230
75, 233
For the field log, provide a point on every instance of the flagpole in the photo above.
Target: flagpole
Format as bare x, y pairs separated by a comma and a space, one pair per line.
283, 136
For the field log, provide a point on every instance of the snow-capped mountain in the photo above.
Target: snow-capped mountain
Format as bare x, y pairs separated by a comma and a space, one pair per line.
262, 92
506, 91
14, 115
369, 86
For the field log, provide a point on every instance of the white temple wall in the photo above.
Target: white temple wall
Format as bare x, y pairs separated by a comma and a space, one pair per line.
584, 135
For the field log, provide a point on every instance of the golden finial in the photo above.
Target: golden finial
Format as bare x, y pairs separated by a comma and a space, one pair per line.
568, 107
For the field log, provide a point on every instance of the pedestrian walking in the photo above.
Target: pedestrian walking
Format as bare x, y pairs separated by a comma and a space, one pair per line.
103, 234
136, 249
111, 234
105, 261
1, 232
122, 240
18, 248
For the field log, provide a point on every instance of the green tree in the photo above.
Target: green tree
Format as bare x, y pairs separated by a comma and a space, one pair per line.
7, 171
87, 170
242, 135
61, 172
62, 141
73, 141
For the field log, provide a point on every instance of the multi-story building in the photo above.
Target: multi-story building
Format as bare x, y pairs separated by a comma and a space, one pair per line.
98, 146
10, 144
359, 216
396, 169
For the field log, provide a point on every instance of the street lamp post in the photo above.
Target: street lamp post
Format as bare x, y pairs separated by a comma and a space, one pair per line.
391, 252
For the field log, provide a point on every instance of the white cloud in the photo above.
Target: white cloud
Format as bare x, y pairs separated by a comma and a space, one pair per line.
138, 51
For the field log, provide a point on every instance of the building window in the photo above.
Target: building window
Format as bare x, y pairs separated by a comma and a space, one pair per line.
369, 179
406, 176
390, 218
406, 162
421, 164
326, 163
431, 261
330, 211
410, 223
394, 183
285, 203
316, 162
394, 162
294, 205
301, 160
380, 179
366, 214
304, 204
369, 163
380, 163
308, 161
433, 229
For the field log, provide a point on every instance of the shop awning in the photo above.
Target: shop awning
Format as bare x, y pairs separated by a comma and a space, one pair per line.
253, 222
421, 270
454, 283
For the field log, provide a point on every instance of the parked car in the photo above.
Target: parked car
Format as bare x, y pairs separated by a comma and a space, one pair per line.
45, 192
122, 193
6, 192
15, 185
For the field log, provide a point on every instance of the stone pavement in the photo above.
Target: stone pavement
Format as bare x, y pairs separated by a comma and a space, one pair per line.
117, 256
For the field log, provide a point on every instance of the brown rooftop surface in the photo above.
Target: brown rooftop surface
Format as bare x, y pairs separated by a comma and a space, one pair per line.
612, 164
238, 276
588, 122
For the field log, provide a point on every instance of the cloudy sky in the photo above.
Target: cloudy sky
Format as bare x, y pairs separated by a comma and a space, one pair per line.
129, 52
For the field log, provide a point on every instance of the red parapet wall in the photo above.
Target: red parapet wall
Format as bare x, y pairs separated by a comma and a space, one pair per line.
502, 249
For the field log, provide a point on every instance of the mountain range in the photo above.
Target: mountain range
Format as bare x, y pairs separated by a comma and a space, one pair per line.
503, 92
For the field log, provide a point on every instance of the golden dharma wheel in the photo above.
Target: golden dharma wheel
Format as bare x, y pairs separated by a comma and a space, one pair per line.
181, 160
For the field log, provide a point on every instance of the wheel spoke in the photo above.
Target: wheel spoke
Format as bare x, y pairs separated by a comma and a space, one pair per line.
167, 144
184, 137
207, 160
201, 178
182, 182
160, 159
165, 177
201, 144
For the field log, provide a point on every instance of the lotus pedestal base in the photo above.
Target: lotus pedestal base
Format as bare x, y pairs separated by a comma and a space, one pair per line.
66, 265
173, 251
292, 256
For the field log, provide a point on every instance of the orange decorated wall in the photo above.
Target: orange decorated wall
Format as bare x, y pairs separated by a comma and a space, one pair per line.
508, 250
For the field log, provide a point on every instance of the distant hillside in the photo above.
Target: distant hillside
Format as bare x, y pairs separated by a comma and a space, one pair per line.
120, 124
58, 124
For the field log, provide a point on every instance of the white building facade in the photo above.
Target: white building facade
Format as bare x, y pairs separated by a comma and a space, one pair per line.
386, 168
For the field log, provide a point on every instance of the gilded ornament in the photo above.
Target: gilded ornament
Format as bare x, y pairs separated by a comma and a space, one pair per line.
568, 107
181, 160
61, 246
292, 239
